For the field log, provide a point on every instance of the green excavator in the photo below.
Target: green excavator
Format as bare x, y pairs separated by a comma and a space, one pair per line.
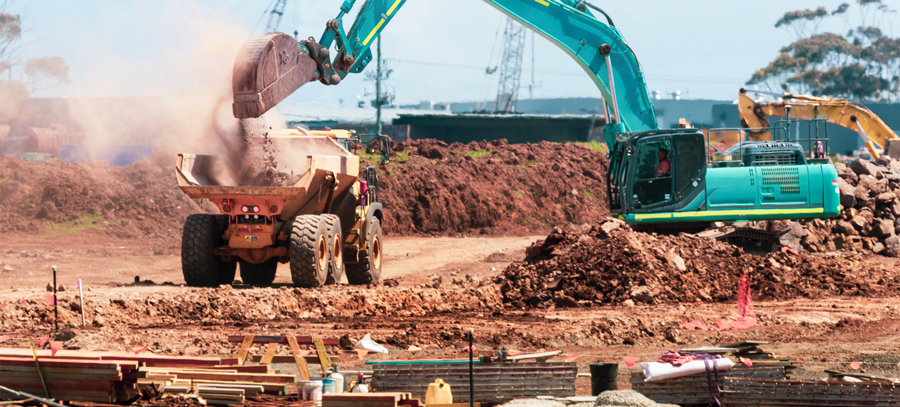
659, 179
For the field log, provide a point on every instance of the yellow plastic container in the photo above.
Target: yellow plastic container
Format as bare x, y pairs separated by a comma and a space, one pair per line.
438, 393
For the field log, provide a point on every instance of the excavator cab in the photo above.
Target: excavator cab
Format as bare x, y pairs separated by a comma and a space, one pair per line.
641, 185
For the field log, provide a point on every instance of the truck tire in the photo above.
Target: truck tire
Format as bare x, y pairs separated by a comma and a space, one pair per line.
368, 270
201, 268
309, 251
259, 273
335, 249
229, 268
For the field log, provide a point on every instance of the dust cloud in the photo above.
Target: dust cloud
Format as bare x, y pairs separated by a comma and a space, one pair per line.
190, 110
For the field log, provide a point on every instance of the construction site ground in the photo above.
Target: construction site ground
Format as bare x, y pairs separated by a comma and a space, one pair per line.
825, 333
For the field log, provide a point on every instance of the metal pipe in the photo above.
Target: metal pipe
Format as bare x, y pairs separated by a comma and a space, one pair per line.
471, 369
31, 396
605, 50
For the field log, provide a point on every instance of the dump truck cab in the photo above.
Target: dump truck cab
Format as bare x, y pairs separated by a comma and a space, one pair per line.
747, 181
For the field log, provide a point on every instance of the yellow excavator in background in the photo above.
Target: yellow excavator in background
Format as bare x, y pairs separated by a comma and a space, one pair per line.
842, 112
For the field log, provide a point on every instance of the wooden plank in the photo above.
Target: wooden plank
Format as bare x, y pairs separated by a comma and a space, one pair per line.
220, 390
545, 355
248, 389
59, 376
271, 347
161, 360
68, 363
302, 340
16, 382
222, 396
289, 359
239, 377
370, 397
267, 387
302, 368
212, 369
323, 356
244, 349
222, 402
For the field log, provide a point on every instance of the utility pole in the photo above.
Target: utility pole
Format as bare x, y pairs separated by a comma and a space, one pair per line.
378, 89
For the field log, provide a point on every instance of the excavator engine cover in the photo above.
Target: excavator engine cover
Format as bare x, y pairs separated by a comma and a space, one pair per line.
268, 69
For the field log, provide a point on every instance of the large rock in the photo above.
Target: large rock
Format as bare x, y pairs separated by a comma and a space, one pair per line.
845, 228
892, 246
791, 235
861, 167
885, 197
848, 193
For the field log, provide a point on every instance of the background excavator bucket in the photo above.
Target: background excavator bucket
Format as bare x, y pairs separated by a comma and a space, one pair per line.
268, 69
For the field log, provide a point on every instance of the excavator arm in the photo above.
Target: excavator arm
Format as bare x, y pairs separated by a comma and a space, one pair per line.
842, 112
596, 46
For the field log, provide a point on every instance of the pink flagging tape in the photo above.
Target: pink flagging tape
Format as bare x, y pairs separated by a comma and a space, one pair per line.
855, 365
43, 340
138, 349
413, 348
629, 361
361, 353
55, 346
571, 358
747, 362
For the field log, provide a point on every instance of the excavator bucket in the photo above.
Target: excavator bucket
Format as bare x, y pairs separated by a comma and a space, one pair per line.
267, 70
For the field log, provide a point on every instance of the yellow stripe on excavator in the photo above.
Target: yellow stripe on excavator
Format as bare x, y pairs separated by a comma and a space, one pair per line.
393, 7
729, 213
374, 30
544, 2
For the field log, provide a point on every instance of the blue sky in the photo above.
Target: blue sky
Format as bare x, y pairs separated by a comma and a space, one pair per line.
704, 48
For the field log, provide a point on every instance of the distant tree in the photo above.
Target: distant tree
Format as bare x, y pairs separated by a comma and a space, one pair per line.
18, 80
863, 65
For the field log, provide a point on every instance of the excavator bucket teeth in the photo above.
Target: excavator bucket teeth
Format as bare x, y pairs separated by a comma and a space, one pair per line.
267, 70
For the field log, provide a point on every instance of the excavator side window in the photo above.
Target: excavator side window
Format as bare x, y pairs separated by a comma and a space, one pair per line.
652, 175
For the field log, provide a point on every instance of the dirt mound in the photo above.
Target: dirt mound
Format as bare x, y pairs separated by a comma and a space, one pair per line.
229, 305
494, 187
870, 218
141, 199
610, 263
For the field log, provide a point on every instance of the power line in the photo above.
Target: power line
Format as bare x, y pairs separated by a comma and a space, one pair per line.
650, 77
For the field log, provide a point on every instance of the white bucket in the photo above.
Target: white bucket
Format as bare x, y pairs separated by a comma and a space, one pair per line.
310, 390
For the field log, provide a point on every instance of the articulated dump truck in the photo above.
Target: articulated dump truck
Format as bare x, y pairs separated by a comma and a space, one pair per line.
324, 223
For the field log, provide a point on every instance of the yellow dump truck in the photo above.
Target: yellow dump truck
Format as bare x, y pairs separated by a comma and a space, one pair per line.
326, 221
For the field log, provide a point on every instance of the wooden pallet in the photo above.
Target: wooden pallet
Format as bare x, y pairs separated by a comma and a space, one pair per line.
294, 342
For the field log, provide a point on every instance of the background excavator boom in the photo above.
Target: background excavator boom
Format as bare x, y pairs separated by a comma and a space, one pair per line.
842, 112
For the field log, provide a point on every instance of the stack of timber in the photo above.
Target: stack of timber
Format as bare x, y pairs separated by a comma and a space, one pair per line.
494, 382
759, 357
107, 377
370, 400
70, 379
740, 391
698, 388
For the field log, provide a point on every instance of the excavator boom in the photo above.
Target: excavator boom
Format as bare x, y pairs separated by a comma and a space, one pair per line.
596, 46
842, 112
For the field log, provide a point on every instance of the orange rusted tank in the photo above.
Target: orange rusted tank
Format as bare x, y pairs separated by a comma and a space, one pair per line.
42, 140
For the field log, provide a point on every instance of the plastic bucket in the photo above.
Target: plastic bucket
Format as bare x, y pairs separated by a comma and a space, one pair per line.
310, 390
328, 385
604, 377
